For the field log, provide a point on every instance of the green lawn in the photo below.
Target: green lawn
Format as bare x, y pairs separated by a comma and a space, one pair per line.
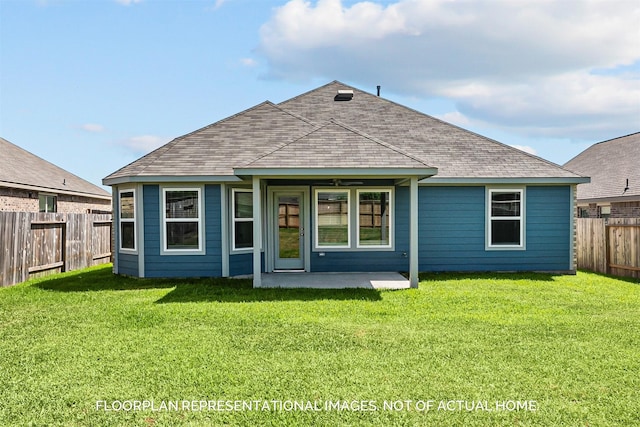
568, 346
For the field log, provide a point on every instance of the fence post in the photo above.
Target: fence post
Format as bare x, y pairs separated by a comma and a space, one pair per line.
607, 248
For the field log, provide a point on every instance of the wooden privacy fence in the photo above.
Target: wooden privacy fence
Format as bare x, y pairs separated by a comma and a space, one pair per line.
609, 246
38, 244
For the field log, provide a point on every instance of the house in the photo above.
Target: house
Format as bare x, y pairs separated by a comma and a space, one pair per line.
31, 184
614, 167
340, 180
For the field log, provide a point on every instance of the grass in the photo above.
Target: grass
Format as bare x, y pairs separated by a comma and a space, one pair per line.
289, 242
568, 343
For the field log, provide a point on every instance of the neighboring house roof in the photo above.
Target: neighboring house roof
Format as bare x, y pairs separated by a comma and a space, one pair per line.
610, 164
22, 169
316, 131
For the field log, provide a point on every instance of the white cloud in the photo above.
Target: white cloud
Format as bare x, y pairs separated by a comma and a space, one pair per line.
128, 2
219, 4
533, 66
143, 143
92, 127
575, 104
526, 149
456, 118
249, 62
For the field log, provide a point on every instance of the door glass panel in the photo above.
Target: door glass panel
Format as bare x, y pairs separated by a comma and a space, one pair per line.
289, 226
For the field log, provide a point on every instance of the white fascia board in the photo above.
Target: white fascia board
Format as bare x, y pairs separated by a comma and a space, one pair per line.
53, 191
619, 199
171, 179
519, 181
335, 172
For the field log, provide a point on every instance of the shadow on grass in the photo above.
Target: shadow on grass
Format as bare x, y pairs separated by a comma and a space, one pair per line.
237, 290
194, 290
627, 279
98, 279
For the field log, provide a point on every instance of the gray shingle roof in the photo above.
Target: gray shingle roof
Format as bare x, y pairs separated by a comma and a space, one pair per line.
609, 164
222, 146
313, 130
457, 153
334, 145
22, 169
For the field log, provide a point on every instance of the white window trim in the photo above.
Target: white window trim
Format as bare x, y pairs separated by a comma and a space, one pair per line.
234, 220
316, 244
164, 220
387, 190
132, 220
54, 195
490, 218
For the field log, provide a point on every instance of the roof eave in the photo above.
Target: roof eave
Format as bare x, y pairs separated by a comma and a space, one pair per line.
612, 199
421, 173
55, 190
507, 180
169, 178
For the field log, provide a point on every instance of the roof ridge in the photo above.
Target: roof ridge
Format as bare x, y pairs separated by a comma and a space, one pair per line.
169, 145
380, 142
344, 126
297, 116
613, 139
317, 89
598, 143
467, 130
59, 168
284, 144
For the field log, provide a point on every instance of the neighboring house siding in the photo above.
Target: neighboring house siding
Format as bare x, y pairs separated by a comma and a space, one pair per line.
625, 210
629, 209
20, 200
452, 231
207, 265
79, 204
373, 260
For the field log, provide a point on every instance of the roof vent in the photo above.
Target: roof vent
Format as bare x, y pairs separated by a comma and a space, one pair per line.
344, 95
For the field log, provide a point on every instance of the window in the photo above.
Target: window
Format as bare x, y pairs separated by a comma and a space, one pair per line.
374, 218
127, 215
506, 218
332, 219
182, 219
48, 202
242, 230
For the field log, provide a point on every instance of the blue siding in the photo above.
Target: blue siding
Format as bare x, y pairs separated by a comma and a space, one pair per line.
128, 264
451, 237
452, 231
207, 265
242, 264
363, 261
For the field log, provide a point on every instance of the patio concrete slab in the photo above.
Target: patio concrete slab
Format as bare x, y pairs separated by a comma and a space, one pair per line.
383, 280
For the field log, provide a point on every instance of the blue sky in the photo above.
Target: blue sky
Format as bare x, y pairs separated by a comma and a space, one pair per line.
93, 85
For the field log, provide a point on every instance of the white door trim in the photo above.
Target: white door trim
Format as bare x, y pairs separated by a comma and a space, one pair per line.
271, 225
